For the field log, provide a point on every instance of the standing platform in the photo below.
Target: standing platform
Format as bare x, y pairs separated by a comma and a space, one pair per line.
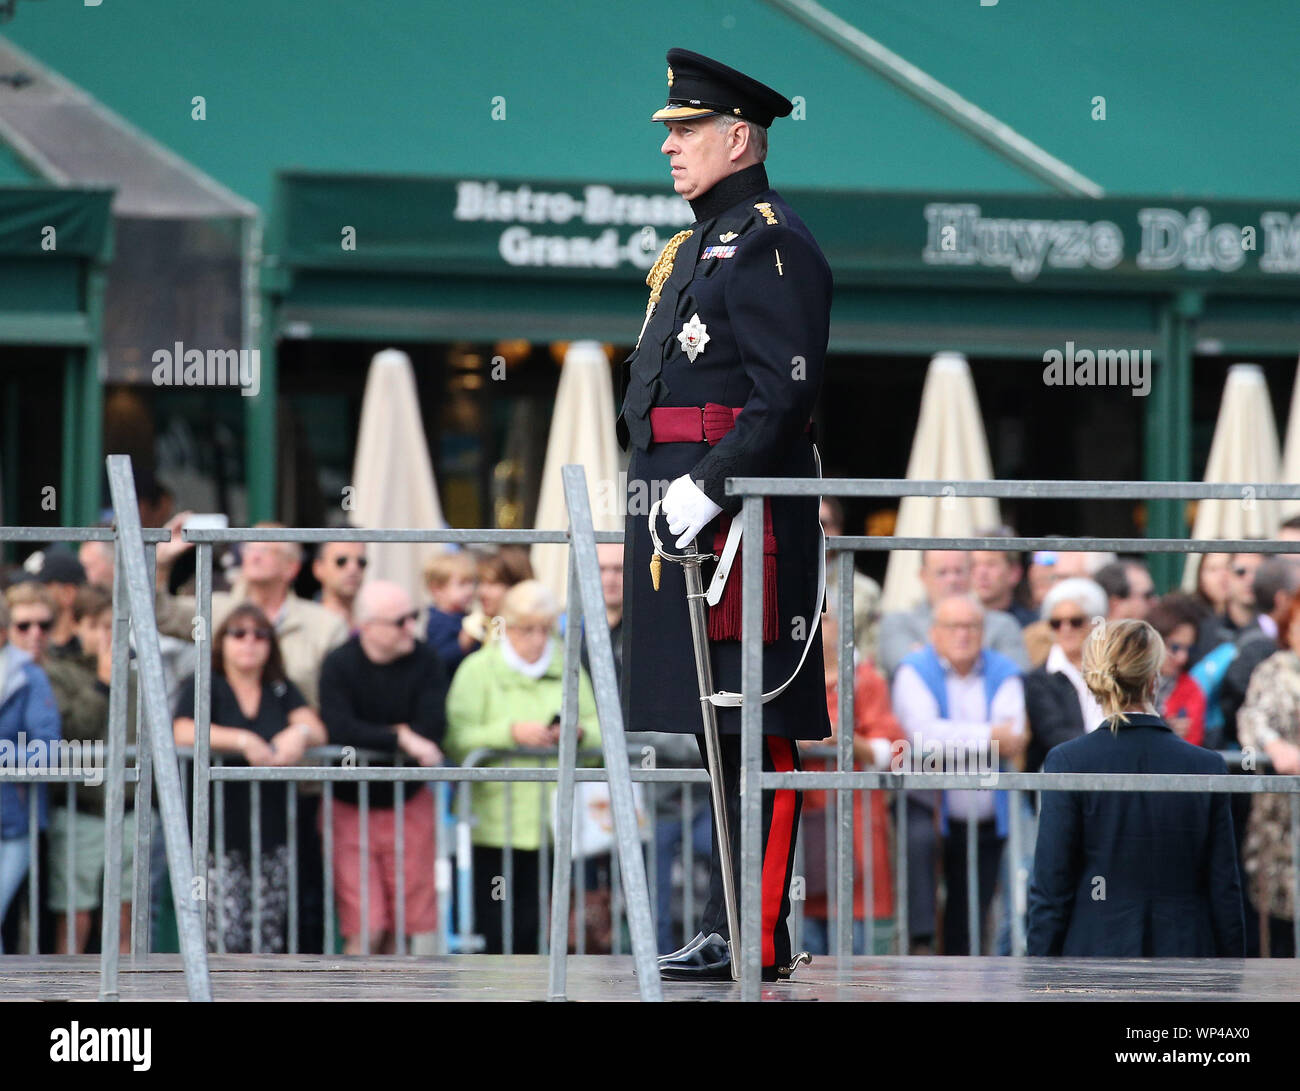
299, 978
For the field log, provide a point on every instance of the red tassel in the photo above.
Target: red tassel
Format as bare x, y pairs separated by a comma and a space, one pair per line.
725, 617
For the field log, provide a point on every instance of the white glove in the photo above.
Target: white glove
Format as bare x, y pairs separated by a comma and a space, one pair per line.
687, 509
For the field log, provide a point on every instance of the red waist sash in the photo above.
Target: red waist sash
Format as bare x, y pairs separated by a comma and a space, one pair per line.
693, 424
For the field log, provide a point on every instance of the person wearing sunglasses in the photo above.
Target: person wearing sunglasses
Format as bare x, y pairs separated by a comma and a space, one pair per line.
1242, 607
29, 717
258, 717
1129, 588
340, 568
306, 631
1058, 704
385, 691
75, 846
1178, 695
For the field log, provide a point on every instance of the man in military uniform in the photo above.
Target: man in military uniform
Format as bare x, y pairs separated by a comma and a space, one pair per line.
723, 383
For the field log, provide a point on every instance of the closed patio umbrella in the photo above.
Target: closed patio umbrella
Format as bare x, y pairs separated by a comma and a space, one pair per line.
1291, 453
949, 445
392, 474
1244, 449
582, 433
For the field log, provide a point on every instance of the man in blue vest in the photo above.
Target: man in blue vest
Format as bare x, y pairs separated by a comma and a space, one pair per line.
967, 703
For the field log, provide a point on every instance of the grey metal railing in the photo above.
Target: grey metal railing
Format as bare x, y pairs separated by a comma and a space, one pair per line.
133, 592
585, 599
133, 612
70, 767
844, 780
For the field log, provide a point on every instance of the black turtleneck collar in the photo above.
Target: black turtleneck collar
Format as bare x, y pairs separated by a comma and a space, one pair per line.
730, 191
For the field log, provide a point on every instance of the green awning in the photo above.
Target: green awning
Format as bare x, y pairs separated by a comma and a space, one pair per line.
402, 87
368, 256
47, 238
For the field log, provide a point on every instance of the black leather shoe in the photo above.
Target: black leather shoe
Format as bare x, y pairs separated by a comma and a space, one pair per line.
710, 960
682, 952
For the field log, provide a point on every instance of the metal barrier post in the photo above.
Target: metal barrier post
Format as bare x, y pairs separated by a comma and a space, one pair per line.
508, 867
142, 894
688, 863
441, 868
464, 866
844, 761
543, 869
562, 870
973, 921
399, 867
153, 691
203, 725
750, 949
34, 871
292, 924
327, 864
69, 909
363, 857
255, 864
868, 873
613, 742
901, 906
114, 776
1015, 884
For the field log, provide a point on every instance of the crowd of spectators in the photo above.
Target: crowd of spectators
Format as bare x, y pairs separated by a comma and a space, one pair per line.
985, 667
359, 666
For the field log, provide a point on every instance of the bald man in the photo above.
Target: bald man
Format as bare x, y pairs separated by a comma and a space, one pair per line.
957, 695
945, 572
385, 692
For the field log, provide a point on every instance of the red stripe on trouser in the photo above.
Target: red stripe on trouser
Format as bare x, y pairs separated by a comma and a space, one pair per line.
776, 855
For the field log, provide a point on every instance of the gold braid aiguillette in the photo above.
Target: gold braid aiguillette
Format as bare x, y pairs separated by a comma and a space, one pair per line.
660, 271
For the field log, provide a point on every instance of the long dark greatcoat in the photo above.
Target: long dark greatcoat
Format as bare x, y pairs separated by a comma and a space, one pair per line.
766, 309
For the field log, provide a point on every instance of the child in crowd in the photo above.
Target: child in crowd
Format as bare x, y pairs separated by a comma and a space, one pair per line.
452, 579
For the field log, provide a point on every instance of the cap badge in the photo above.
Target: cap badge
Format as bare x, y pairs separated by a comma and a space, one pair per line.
693, 338
670, 77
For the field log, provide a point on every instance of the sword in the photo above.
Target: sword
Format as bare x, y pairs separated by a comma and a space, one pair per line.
690, 563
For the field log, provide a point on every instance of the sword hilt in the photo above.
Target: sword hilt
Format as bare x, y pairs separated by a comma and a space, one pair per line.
656, 565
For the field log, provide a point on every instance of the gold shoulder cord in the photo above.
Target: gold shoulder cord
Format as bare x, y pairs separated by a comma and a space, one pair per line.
659, 274
655, 279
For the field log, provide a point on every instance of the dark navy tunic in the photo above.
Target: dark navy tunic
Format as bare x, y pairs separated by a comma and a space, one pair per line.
754, 277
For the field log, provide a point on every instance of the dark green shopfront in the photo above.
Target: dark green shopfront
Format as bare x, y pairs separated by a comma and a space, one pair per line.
463, 271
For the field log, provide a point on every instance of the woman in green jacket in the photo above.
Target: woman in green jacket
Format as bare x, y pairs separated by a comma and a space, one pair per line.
507, 696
